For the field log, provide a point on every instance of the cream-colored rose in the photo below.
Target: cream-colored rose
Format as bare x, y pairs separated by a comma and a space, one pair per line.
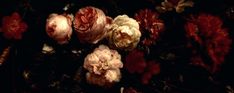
59, 27
124, 33
103, 64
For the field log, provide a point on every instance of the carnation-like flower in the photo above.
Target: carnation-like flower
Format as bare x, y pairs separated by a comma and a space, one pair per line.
90, 23
150, 26
103, 64
178, 5
206, 30
59, 27
13, 26
124, 33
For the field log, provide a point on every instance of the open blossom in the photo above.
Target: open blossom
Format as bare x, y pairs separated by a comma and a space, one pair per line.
178, 5
150, 26
124, 33
90, 24
13, 26
103, 64
207, 31
59, 27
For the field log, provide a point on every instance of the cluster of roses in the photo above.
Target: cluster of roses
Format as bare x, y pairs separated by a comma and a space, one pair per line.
91, 25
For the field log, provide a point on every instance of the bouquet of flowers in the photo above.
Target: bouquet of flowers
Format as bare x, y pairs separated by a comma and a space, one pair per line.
89, 46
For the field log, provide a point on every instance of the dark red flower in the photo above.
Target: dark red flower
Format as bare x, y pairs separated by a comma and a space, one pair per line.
135, 62
146, 77
152, 68
13, 26
150, 26
207, 31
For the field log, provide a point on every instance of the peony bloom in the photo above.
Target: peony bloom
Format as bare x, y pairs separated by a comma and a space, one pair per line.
59, 27
103, 64
150, 26
124, 33
13, 26
206, 30
178, 5
90, 24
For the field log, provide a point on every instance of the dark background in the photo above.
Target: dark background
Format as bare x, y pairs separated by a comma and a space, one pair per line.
46, 70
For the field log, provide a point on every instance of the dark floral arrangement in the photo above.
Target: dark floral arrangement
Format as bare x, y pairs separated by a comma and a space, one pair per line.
119, 46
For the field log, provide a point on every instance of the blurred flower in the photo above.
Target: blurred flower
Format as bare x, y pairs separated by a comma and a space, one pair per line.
136, 63
124, 33
59, 27
178, 5
13, 26
207, 31
103, 64
150, 26
89, 23
152, 68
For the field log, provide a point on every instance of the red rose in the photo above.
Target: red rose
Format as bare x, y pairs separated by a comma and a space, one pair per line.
13, 26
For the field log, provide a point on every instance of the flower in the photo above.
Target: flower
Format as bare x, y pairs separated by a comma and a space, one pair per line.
136, 63
13, 26
124, 33
152, 68
178, 5
90, 23
150, 26
103, 64
59, 27
207, 31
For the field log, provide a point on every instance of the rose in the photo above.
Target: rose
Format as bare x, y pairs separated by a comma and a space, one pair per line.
59, 27
89, 23
124, 33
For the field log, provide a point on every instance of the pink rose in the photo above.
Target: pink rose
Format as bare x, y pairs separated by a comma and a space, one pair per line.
89, 23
